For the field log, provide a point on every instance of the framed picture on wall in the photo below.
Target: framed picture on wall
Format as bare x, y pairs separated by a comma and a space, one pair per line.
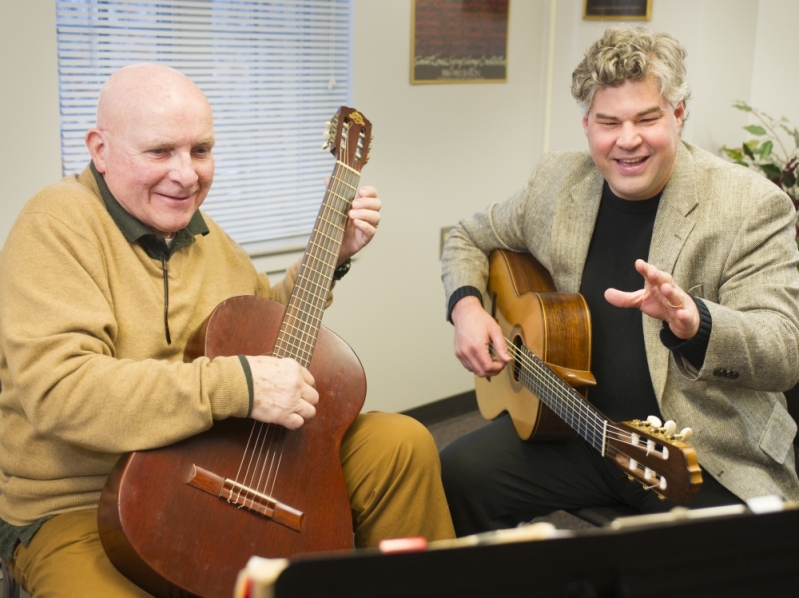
617, 10
459, 41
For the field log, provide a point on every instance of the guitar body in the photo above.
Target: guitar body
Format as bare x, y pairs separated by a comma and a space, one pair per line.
555, 326
174, 539
543, 387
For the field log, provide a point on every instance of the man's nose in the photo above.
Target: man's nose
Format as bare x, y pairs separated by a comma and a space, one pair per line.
182, 169
629, 137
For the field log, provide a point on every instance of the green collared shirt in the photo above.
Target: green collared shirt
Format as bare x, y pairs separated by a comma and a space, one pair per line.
135, 232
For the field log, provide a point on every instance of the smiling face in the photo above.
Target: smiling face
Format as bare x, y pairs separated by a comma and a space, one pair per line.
153, 143
633, 136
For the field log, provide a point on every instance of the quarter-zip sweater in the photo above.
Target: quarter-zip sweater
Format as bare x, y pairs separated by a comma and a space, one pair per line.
86, 370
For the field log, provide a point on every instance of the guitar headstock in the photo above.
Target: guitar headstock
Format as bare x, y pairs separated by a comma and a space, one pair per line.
349, 137
658, 458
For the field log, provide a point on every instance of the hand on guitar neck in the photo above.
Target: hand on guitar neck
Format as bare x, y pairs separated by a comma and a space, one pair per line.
362, 222
475, 330
283, 391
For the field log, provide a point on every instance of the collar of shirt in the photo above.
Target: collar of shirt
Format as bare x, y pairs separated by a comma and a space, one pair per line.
135, 232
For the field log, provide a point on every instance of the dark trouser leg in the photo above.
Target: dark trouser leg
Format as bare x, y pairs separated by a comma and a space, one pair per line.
494, 480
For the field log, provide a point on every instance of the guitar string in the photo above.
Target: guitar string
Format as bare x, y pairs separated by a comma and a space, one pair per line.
297, 340
548, 380
343, 204
622, 436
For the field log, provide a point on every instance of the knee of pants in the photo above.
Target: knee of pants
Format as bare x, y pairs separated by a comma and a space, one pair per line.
391, 441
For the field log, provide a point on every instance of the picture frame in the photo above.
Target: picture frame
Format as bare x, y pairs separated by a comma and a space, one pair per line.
617, 10
459, 41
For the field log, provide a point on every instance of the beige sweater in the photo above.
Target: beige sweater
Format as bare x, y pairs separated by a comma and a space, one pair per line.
85, 369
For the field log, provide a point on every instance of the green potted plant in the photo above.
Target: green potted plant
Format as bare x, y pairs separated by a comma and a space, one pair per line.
773, 150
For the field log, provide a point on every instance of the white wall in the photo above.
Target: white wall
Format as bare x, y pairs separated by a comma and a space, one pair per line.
719, 36
441, 151
774, 84
30, 151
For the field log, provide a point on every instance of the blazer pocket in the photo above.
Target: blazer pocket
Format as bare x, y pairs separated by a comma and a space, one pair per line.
778, 436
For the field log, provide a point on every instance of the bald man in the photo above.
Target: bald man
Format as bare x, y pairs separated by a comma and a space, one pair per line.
92, 353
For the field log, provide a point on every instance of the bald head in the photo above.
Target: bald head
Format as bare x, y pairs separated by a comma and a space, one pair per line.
152, 143
137, 88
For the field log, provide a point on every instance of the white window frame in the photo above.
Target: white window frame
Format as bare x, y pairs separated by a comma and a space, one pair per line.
273, 71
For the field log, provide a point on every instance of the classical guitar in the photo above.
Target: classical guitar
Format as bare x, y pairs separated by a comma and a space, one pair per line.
543, 388
185, 519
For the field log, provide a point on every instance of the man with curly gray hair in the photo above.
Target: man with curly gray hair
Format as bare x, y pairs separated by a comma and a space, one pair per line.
688, 266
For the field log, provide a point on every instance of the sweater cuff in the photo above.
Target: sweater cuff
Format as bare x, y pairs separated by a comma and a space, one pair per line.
460, 294
694, 349
248, 374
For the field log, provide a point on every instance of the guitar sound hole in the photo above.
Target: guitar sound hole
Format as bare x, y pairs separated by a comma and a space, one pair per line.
517, 363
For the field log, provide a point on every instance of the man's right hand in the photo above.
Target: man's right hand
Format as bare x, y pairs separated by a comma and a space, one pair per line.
474, 331
283, 391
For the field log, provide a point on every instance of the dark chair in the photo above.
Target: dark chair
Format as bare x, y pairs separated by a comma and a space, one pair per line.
9, 588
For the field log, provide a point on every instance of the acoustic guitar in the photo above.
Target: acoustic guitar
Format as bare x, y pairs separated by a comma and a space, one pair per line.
543, 388
185, 519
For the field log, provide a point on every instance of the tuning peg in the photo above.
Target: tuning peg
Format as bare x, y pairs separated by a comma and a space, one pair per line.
685, 434
669, 427
326, 134
653, 421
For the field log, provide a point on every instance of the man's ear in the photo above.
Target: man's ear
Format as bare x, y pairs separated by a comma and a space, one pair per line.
679, 113
585, 124
95, 141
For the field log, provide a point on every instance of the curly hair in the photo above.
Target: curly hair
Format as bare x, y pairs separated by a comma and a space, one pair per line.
631, 54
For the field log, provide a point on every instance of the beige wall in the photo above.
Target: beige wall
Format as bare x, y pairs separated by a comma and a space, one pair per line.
30, 149
440, 151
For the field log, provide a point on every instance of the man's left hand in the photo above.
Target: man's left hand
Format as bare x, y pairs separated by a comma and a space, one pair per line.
660, 298
363, 219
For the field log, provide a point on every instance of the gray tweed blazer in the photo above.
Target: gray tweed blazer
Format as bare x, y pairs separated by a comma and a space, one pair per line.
726, 234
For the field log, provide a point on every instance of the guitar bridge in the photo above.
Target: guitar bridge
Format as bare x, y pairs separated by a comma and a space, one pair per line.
239, 494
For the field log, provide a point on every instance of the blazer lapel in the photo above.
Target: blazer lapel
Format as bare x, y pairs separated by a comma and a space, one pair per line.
573, 226
672, 227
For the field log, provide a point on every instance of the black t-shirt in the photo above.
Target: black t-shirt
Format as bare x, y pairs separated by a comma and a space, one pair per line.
622, 234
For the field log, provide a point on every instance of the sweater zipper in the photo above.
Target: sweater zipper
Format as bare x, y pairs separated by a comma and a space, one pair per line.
165, 265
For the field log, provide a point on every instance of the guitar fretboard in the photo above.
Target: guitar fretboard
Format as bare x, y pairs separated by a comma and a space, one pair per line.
561, 398
300, 328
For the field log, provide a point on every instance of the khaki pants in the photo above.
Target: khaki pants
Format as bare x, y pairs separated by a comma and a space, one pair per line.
393, 479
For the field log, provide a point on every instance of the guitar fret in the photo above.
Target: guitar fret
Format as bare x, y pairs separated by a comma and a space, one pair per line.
341, 164
316, 303
340, 213
314, 283
334, 225
318, 232
341, 197
325, 249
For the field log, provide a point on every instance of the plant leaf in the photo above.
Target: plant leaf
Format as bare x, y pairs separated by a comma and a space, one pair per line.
789, 181
733, 153
755, 129
742, 163
748, 150
771, 171
742, 106
765, 149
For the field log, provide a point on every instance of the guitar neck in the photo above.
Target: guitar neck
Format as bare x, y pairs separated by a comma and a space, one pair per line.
300, 328
561, 398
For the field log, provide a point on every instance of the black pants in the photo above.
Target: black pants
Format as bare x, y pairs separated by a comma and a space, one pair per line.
495, 480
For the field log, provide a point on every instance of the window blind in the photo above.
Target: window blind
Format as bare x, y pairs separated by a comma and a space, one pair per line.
274, 72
